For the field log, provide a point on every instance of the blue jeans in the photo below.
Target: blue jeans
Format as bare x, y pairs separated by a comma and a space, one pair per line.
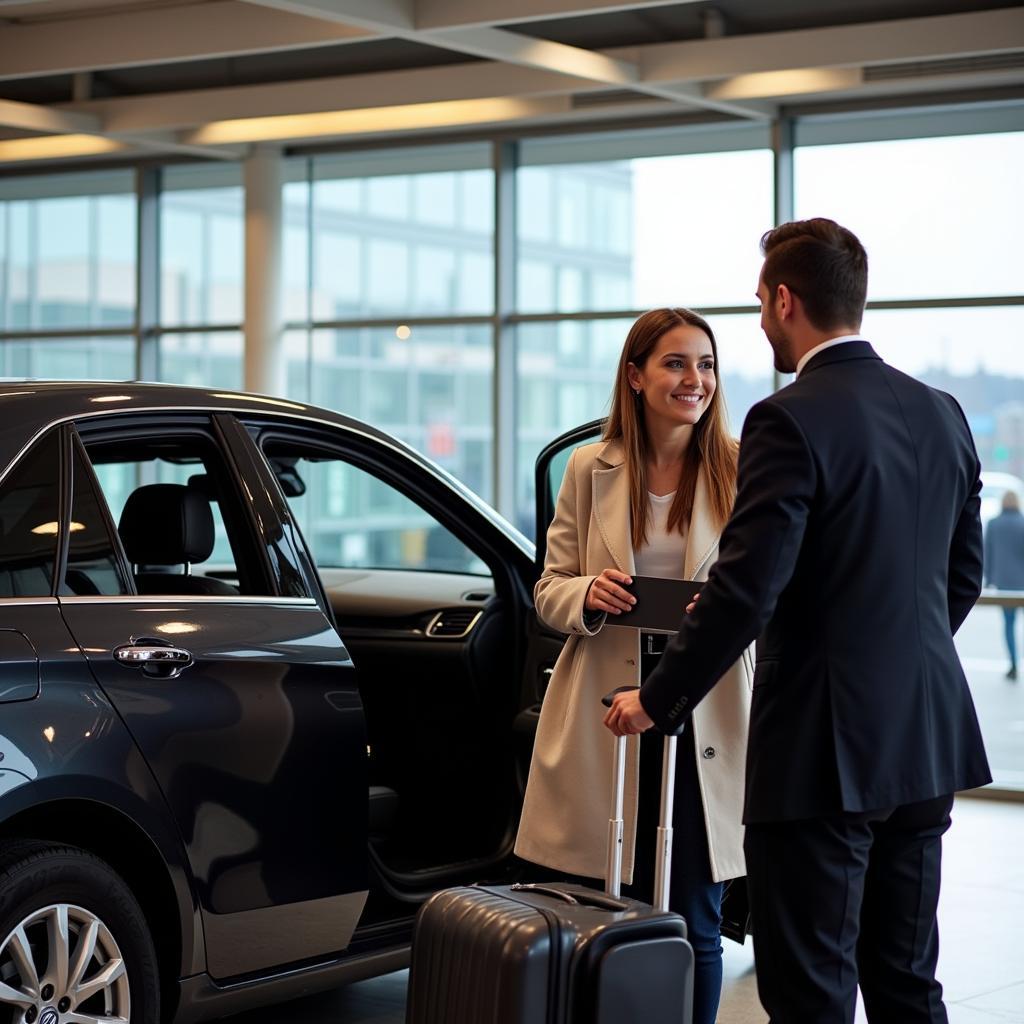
692, 894
1009, 615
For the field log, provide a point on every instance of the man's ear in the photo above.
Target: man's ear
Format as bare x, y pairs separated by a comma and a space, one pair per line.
785, 302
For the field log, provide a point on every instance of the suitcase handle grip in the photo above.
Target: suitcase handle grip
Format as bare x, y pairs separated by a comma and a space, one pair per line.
586, 899
544, 890
607, 699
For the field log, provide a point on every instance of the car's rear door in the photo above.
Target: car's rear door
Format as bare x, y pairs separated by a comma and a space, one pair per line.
257, 737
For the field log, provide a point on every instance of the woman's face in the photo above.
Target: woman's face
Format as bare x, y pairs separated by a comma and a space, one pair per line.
678, 377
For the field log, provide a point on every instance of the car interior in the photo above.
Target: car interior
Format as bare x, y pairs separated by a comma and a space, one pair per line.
431, 624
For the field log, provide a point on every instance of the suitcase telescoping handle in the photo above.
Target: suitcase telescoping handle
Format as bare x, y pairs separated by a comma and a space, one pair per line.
663, 850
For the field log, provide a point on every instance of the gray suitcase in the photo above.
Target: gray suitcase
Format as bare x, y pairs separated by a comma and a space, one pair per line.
557, 953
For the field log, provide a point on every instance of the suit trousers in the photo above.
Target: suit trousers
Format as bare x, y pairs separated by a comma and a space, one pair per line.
844, 900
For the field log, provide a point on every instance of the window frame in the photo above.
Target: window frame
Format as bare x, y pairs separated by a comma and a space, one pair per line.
374, 463
239, 521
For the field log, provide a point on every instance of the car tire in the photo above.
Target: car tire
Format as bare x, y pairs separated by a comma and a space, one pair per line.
66, 899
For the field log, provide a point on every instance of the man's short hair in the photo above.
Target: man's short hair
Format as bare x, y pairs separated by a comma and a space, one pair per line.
822, 263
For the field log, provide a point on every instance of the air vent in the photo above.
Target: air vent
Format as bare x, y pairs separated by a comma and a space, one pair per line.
610, 98
476, 595
453, 623
950, 66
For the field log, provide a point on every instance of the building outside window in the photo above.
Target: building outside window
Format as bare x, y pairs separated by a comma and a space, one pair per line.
389, 270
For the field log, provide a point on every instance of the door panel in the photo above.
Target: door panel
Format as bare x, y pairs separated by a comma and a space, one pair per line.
257, 737
543, 643
548, 472
246, 744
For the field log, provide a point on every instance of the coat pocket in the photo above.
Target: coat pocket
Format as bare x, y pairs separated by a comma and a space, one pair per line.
765, 672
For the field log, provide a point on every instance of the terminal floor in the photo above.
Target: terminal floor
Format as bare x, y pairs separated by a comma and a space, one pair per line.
981, 921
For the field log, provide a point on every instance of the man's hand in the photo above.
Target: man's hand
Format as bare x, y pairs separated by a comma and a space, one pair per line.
626, 716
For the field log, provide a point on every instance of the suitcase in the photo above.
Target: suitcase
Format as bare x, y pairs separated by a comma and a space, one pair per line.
557, 953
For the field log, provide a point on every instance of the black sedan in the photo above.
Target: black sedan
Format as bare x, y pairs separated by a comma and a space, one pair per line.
270, 678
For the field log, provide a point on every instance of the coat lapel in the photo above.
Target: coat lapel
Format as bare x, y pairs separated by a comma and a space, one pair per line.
610, 483
703, 535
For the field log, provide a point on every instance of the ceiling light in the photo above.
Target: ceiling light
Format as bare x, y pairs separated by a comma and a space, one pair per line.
372, 119
798, 81
53, 147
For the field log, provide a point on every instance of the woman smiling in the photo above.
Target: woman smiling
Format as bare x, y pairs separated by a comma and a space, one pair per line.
649, 499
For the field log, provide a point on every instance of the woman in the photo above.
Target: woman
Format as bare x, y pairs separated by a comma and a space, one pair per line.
650, 498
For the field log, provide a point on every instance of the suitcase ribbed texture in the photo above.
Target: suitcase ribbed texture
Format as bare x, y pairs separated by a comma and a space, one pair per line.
498, 956
480, 960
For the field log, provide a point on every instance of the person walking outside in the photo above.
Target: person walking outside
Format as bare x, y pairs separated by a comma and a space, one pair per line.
1004, 564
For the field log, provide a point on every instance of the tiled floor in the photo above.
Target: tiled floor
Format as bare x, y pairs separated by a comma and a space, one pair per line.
981, 919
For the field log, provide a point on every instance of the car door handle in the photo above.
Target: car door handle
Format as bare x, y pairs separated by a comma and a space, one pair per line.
154, 659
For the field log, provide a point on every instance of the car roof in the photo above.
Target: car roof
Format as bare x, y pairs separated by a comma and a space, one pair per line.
36, 404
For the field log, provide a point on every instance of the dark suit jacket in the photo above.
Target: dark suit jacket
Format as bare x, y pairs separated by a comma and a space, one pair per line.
854, 553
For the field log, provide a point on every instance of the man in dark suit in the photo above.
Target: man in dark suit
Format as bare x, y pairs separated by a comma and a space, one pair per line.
853, 554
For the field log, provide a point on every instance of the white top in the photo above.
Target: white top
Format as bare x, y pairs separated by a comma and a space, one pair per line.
808, 356
664, 553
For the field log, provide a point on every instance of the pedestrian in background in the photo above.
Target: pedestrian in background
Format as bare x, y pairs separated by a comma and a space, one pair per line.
1004, 564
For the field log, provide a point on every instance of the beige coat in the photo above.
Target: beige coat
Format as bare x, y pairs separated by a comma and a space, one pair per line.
567, 805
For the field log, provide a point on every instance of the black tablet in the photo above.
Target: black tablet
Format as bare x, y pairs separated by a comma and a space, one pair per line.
660, 604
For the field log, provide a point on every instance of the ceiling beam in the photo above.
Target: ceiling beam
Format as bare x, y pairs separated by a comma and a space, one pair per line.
397, 17
47, 120
513, 48
179, 110
383, 16
441, 14
155, 35
908, 39
50, 123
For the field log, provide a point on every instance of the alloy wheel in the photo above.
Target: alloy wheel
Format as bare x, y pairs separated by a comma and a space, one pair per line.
61, 965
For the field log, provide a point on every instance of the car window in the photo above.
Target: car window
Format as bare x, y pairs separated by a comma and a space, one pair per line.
351, 519
129, 472
93, 565
29, 522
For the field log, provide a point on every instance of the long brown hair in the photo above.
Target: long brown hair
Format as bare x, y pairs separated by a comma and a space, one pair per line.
711, 447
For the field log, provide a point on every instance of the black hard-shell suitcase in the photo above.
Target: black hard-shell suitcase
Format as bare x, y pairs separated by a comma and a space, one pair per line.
557, 953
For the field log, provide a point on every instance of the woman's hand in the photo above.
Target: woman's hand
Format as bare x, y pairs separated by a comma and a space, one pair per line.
606, 595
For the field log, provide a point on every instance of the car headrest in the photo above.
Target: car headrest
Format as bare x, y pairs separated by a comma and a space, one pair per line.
166, 524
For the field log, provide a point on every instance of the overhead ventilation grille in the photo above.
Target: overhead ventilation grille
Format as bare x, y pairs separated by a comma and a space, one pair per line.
453, 623
610, 98
954, 66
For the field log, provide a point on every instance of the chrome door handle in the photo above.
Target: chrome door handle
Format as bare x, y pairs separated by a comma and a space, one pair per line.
154, 659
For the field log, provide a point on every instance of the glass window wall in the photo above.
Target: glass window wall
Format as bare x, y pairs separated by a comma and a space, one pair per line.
940, 219
634, 234
201, 245
67, 251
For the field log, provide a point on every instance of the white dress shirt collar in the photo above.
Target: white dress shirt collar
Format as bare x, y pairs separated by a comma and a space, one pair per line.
808, 356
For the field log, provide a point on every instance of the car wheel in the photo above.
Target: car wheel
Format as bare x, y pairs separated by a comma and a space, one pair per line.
74, 945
